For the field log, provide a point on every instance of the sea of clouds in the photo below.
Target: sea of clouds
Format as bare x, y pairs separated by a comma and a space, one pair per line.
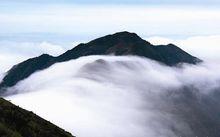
107, 96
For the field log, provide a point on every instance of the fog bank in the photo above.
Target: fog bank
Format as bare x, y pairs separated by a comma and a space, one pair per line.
122, 96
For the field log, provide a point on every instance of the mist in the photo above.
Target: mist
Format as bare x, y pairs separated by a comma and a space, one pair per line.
117, 96
106, 96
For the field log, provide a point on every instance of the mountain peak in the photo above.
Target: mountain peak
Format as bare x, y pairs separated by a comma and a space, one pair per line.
118, 44
126, 35
119, 37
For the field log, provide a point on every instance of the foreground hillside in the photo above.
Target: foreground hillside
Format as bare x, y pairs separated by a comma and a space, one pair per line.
17, 122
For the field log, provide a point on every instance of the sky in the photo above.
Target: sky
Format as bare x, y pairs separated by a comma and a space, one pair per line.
69, 21
177, 2
34, 27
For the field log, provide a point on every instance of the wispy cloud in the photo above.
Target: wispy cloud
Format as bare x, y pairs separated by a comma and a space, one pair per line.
12, 53
204, 47
97, 20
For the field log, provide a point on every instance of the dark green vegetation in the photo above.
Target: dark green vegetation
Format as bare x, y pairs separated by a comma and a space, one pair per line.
119, 44
17, 122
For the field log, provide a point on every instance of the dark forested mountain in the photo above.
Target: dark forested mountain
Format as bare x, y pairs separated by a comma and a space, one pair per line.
17, 122
118, 44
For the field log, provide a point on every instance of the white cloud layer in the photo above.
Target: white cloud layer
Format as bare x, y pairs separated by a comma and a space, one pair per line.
113, 96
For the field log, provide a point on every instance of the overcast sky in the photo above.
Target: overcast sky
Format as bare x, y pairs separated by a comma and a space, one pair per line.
82, 20
159, 2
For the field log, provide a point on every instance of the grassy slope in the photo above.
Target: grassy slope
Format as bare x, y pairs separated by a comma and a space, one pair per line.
17, 122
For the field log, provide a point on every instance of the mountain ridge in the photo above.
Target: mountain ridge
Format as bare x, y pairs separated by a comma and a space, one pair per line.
118, 44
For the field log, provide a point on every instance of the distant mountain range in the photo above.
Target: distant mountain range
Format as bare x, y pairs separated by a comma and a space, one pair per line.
118, 44
17, 122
